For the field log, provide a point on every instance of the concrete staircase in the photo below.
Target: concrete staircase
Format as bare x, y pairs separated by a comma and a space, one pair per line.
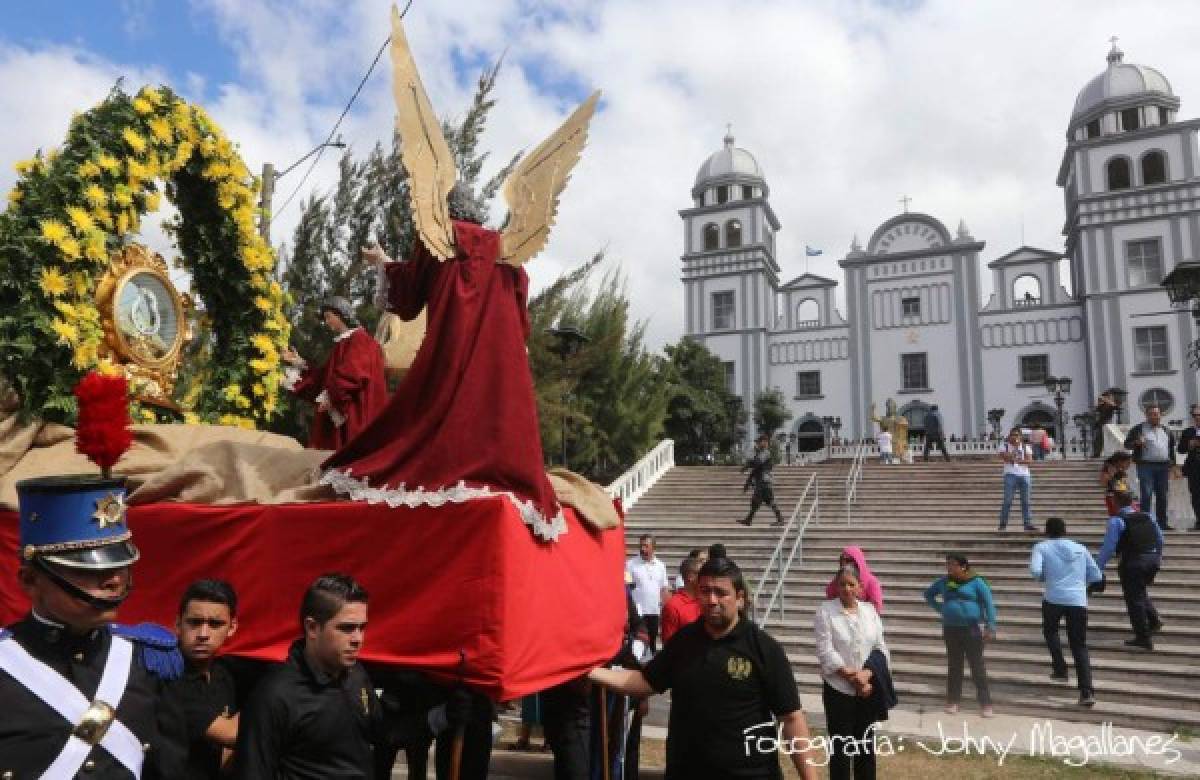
907, 518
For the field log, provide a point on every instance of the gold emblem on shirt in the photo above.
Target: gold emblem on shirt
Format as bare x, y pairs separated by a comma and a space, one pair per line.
739, 668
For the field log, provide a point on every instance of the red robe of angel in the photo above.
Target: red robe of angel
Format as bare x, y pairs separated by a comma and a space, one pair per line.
351, 382
463, 423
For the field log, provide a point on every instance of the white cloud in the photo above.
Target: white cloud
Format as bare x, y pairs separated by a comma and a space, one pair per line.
847, 106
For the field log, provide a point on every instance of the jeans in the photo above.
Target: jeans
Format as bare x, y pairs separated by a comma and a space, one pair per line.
940, 441
1014, 482
965, 641
1136, 573
1052, 615
1154, 478
849, 718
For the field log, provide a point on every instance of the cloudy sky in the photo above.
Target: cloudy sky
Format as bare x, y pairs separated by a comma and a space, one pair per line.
848, 106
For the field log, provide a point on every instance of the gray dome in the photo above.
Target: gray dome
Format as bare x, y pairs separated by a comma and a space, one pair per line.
1121, 82
728, 161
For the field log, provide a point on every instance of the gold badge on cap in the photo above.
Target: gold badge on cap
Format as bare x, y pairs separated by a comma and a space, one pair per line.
110, 510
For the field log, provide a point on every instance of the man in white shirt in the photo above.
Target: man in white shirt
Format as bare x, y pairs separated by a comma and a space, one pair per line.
650, 584
1153, 446
1016, 456
884, 440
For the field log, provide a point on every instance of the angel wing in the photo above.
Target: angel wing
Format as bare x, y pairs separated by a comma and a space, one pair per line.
423, 149
532, 189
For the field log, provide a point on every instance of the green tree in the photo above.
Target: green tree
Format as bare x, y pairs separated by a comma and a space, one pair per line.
770, 412
700, 417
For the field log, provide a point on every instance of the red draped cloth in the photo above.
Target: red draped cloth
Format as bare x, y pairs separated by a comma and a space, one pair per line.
353, 381
463, 424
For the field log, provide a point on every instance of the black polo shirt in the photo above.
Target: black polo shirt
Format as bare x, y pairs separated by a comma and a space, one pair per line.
723, 691
301, 724
203, 700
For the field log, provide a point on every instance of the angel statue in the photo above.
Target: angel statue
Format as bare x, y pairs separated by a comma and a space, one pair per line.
463, 422
895, 424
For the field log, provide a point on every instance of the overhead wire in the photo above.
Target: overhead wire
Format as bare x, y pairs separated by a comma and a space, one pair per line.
338, 123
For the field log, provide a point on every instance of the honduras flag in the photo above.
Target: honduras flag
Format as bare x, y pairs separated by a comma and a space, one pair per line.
810, 252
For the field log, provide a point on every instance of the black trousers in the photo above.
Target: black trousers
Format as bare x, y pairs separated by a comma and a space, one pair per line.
763, 494
965, 641
940, 441
1194, 490
848, 718
1052, 616
1136, 574
652, 623
566, 720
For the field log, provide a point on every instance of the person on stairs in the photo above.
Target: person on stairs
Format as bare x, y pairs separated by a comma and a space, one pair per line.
1153, 447
1189, 446
935, 434
964, 601
869, 587
1016, 456
760, 479
1137, 541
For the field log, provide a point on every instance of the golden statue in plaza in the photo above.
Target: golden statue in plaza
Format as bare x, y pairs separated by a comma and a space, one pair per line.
895, 424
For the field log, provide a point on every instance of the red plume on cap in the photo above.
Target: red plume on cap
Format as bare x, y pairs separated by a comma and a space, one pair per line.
102, 432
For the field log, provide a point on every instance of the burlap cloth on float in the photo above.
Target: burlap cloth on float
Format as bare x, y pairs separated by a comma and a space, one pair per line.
215, 464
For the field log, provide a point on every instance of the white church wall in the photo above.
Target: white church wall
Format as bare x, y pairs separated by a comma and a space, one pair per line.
1056, 335
1098, 158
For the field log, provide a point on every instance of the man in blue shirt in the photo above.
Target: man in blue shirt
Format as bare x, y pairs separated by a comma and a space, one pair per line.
1066, 568
1138, 543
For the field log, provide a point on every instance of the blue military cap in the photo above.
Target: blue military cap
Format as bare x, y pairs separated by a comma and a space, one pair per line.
75, 521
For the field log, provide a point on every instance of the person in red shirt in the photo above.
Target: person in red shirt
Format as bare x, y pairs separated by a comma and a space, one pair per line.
349, 388
683, 607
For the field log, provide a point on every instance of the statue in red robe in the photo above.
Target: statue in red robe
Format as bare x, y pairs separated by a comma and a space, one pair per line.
349, 388
463, 423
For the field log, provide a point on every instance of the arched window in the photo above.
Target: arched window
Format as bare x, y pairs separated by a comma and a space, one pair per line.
808, 314
1118, 173
1154, 168
1157, 396
733, 233
1027, 290
712, 236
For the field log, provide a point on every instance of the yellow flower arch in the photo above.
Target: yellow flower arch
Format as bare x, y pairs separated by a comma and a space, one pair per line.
75, 206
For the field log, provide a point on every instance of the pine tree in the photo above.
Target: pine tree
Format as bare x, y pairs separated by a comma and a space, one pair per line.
702, 416
770, 412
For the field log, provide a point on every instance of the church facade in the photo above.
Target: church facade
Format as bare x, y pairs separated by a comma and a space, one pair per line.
916, 329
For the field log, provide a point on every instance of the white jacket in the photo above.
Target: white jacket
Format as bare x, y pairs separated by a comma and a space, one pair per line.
846, 640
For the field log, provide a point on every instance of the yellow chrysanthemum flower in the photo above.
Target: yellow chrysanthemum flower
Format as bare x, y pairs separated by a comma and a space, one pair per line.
135, 141
143, 106
122, 223
107, 367
259, 365
262, 303
82, 220
148, 416
262, 343
85, 356
89, 169
70, 248
66, 332
80, 284
268, 406
26, 167
95, 246
95, 195
52, 282
191, 418
123, 196
136, 171
67, 310
161, 129
103, 216
153, 200
54, 231
15, 195
258, 389
109, 163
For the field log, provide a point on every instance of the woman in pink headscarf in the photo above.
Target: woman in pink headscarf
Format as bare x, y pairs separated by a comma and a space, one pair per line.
872, 591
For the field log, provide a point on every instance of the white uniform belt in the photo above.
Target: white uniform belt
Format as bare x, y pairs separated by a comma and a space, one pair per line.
92, 720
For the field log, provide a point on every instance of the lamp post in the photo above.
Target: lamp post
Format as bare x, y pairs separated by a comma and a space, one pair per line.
1059, 387
791, 446
827, 427
269, 180
994, 417
568, 340
837, 426
733, 405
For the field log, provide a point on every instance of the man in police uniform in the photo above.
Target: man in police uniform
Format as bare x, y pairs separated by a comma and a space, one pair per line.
760, 480
731, 686
78, 696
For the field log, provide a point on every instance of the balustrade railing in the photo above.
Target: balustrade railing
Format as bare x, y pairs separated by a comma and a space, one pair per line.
640, 477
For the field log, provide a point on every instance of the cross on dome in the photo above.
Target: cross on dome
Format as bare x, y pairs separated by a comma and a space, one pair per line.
729, 135
1115, 55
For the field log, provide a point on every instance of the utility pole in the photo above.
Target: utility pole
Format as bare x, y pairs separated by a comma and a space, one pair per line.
268, 191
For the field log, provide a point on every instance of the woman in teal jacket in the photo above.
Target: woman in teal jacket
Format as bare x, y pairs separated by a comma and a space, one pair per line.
964, 601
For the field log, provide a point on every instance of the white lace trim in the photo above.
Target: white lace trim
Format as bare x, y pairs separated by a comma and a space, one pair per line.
359, 490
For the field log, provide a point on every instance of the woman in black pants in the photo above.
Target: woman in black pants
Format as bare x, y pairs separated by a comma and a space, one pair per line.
847, 631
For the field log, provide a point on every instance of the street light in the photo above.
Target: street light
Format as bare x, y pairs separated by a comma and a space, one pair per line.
837, 426
994, 417
791, 445
568, 340
733, 405
1059, 387
269, 180
827, 427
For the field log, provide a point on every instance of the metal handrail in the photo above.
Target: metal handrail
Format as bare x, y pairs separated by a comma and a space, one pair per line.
855, 476
778, 594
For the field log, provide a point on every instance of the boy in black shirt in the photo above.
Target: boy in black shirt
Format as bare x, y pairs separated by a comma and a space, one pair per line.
206, 693
730, 683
